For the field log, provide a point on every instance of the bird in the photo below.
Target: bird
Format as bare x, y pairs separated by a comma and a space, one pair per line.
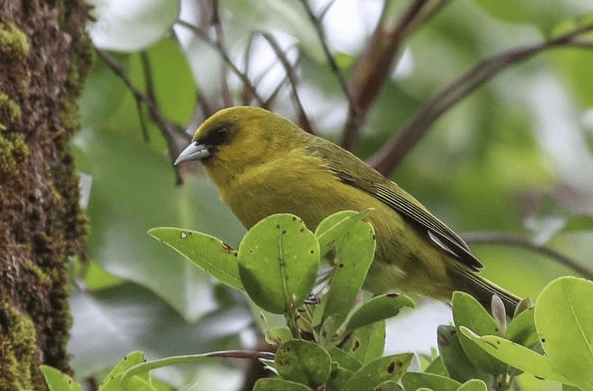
263, 164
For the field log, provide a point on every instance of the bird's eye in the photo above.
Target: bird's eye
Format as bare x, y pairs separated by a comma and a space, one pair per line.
220, 135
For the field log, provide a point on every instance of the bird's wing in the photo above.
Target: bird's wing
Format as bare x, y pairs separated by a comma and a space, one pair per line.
352, 171
437, 232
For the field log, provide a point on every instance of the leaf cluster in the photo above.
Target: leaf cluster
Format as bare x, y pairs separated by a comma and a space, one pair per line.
334, 340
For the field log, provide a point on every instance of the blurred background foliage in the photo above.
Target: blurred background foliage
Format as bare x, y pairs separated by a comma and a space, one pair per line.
515, 157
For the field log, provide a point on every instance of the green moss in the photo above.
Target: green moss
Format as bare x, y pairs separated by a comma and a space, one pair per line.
42, 277
14, 109
19, 349
58, 199
14, 39
13, 149
70, 114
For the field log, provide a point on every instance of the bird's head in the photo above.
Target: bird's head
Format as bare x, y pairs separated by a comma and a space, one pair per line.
239, 137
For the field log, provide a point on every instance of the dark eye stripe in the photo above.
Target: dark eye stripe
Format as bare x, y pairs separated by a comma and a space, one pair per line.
217, 136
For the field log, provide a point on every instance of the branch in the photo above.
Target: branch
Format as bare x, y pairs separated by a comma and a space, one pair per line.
302, 115
219, 42
147, 68
330, 59
517, 241
175, 139
373, 67
216, 45
394, 151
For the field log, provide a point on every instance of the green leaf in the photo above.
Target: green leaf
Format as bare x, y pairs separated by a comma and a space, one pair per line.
58, 381
367, 343
273, 384
343, 359
206, 252
564, 321
303, 362
113, 380
468, 312
134, 383
334, 227
473, 385
516, 355
355, 253
388, 385
278, 262
458, 365
378, 308
278, 335
522, 329
338, 377
413, 381
437, 367
390, 368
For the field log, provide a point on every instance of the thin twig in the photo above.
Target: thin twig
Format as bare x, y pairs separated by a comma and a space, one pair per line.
374, 65
517, 241
246, 82
148, 80
395, 150
219, 41
289, 69
431, 10
285, 80
176, 140
330, 58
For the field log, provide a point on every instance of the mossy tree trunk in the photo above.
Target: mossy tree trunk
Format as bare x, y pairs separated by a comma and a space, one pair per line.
45, 56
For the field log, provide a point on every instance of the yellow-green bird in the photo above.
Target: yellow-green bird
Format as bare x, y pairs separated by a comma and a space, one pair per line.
264, 164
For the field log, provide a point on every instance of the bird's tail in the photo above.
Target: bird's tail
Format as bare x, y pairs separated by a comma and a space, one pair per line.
482, 289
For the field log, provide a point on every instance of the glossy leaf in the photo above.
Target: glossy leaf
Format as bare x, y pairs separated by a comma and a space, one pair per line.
458, 364
278, 262
334, 227
564, 321
355, 253
378, 308
522, 329
516, 355
206, 252
468, 312
112, 381
58, 381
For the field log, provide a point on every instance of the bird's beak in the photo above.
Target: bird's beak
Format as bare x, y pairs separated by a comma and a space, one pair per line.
193, 151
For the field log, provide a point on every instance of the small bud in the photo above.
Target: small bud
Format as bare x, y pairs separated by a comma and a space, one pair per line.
499, 313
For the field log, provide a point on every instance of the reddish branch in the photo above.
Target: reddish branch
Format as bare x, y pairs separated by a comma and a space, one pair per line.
395, 150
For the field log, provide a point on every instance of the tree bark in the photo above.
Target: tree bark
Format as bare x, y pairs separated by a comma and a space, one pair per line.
45, 56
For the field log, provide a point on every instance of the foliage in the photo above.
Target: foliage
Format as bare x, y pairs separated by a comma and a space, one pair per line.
508, 153
340, 346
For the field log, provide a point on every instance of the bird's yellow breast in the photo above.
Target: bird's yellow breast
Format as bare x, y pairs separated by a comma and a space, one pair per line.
302, 185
